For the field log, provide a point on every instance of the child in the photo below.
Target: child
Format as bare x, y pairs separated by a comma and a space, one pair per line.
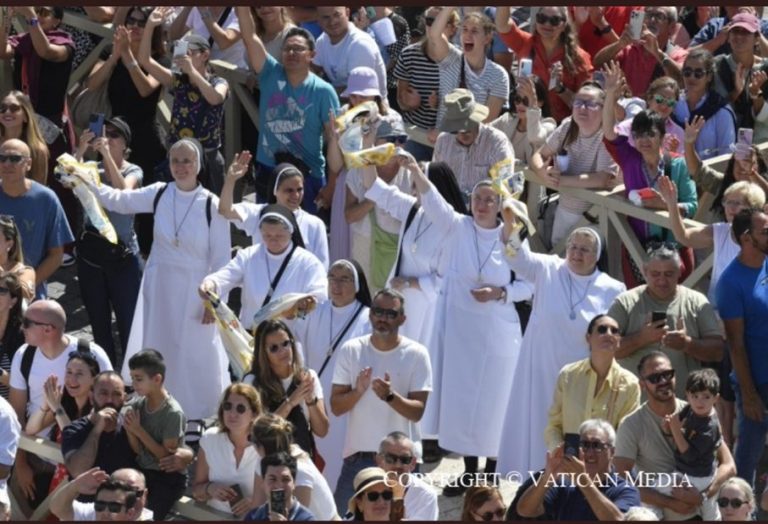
155, 425
696, 432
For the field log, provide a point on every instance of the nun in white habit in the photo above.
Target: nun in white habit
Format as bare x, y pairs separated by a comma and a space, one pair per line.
288, 191
569, 293
477, 329
342, 317
190, 240
268, 270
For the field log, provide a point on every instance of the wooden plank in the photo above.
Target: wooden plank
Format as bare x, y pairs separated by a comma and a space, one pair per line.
702, 269
85, 67
193, 510
628, 238
42, 448
86, 24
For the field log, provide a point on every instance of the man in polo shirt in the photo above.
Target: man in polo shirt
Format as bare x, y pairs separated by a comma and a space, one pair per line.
466, 144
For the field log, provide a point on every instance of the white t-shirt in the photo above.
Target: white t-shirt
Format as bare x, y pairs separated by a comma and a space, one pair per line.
234, 54
371, 419
321, 504
220, 456
10, 429
420, 501
43, 367
84, 511
355, 50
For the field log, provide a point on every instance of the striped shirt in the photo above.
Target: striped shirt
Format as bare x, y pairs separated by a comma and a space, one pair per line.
491, 81
585, 155
421, 73
471, 164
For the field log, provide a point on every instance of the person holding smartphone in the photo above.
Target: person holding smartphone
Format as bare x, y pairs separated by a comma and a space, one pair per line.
279, 473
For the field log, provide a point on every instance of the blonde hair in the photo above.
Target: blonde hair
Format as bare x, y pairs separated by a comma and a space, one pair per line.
33, 137
753, 193
743, 486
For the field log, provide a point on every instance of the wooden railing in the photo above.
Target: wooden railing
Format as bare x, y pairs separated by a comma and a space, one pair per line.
186, 507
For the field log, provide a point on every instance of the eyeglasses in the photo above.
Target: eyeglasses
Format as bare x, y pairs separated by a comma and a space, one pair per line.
28, 323
13, 108
461, 132
140, 22
592, 445
660, 377
112, 507
429, 20
229, 406
489, 515
294, 49
521, 100
397, 140
391, 458
735, 503
112, 134
274, 348
554, 20
698, 72
13, 159
4, 291
655, 15
184, 161
637, 135
605, 328
373, 496
391, 314
578, 103
341, 280
669, 102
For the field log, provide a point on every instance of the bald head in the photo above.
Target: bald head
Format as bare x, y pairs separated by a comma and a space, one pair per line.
130, 476
49, 312
15, 145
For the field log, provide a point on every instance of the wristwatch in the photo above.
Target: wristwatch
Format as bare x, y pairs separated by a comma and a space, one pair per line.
604, 31
60, 412
390, 397
312, 402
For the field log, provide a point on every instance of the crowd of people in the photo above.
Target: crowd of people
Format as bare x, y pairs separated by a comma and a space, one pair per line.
428, 324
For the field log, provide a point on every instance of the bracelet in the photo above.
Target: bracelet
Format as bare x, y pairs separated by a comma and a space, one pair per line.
33, 22
312, 402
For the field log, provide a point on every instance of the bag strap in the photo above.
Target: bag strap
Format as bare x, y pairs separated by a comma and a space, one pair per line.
276, 280
157, 197
408, 221
339, 338
208, 203
222, 18
463, 74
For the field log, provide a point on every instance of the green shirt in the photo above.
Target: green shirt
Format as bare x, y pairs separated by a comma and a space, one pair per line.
165, 423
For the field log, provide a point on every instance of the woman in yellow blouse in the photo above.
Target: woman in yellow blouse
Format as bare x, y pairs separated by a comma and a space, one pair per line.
596, 387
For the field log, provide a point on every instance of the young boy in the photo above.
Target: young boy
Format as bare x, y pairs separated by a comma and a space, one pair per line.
155, 425
696, 432
279, 473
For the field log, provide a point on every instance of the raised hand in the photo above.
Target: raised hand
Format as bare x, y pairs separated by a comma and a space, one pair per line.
363, 381
52, 392
756, 82
613, 77
239, 166
693, 128
668, 192
159, 15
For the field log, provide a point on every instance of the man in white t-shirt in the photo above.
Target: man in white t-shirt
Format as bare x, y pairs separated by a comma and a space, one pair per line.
10, 429
120, 496
343, 47
382, 380
414, 497
47, 352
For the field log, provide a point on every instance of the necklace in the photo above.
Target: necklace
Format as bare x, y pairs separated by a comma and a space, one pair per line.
572, 314
176, 228
419, 233
480, 265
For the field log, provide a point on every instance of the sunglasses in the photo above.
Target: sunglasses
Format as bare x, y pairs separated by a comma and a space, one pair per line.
592, 445
112, 507
587, 104
390, 314
489, 515
644, 134
13, 108
28, 323
373, 496
112, 134
429, 20
603, 329
295, 49
140, 22
554, 20
13, 159
697, 73
735, 503
669, 102
4, 291
521, 100
274, 348
661, 377
397, 140
229, 406
391, 458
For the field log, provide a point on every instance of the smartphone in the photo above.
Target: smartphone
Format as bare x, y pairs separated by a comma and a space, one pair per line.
745, 136
658, 315
239, 494
96, 124
277, 501
572, 444
552, 77
646, 193
525, 68
599, 77
636, 19
180, 48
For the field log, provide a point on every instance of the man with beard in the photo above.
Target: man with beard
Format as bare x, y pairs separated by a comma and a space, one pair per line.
650, 57
643, 442
382, 380
100, 440
742, 296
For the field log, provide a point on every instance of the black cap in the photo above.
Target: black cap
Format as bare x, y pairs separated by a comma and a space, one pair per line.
122, 127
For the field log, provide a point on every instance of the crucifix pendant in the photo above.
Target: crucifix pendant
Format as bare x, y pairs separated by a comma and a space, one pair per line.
413, 248
572, 316
176, 242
